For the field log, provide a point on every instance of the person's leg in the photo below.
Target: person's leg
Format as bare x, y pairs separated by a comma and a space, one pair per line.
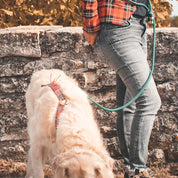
123, 49
120, 95
124, 118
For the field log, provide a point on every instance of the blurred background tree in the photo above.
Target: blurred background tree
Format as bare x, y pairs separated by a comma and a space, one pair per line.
174, 21
162, 10
40, 12
61, 12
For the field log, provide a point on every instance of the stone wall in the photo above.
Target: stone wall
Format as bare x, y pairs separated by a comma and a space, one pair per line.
24, 50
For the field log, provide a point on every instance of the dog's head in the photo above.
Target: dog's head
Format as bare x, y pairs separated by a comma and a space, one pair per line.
82, 164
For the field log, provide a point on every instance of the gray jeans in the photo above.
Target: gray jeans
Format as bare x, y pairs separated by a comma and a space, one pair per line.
125, 48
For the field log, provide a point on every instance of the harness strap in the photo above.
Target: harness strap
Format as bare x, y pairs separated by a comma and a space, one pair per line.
56, 90
58, 112
62, 101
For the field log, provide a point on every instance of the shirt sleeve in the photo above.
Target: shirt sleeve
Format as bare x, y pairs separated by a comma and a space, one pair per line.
91, 21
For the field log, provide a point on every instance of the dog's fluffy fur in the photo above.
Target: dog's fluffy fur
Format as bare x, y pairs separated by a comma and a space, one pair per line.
75, 148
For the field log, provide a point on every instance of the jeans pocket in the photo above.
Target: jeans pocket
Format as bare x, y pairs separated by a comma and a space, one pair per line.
126, 24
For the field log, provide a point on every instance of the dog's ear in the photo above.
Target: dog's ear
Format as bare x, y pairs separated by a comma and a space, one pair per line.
59, 166
57, 161
63, 160
104, 170
54, 163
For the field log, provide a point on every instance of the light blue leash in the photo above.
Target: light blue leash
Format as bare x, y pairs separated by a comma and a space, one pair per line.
151, 15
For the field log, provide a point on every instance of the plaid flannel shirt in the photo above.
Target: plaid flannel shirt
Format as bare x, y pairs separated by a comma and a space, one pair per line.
96, 12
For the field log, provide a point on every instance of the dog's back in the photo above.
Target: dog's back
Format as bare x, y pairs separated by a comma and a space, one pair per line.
42, 103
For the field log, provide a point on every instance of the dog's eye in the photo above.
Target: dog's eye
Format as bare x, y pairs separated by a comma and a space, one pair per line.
66, 172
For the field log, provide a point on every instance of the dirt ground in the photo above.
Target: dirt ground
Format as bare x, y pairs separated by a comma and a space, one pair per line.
10, 169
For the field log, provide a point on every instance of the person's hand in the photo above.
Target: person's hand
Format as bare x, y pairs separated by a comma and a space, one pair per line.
90, 37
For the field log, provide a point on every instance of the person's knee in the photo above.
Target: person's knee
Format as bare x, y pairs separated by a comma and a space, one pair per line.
149, 103
156, 102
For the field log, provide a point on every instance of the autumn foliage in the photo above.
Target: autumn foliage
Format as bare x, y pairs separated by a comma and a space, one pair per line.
40, 12
162, 10
60, 12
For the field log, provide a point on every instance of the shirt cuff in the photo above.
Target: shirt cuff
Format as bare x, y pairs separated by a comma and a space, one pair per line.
91, 29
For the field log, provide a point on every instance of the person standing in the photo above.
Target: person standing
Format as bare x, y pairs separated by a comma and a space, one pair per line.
120, 30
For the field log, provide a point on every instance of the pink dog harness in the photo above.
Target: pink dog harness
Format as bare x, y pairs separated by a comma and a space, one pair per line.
62, 101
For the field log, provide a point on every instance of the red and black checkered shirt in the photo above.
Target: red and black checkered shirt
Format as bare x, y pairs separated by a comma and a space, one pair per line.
111, 11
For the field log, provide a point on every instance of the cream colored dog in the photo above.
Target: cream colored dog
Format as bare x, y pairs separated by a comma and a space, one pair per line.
75, 148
